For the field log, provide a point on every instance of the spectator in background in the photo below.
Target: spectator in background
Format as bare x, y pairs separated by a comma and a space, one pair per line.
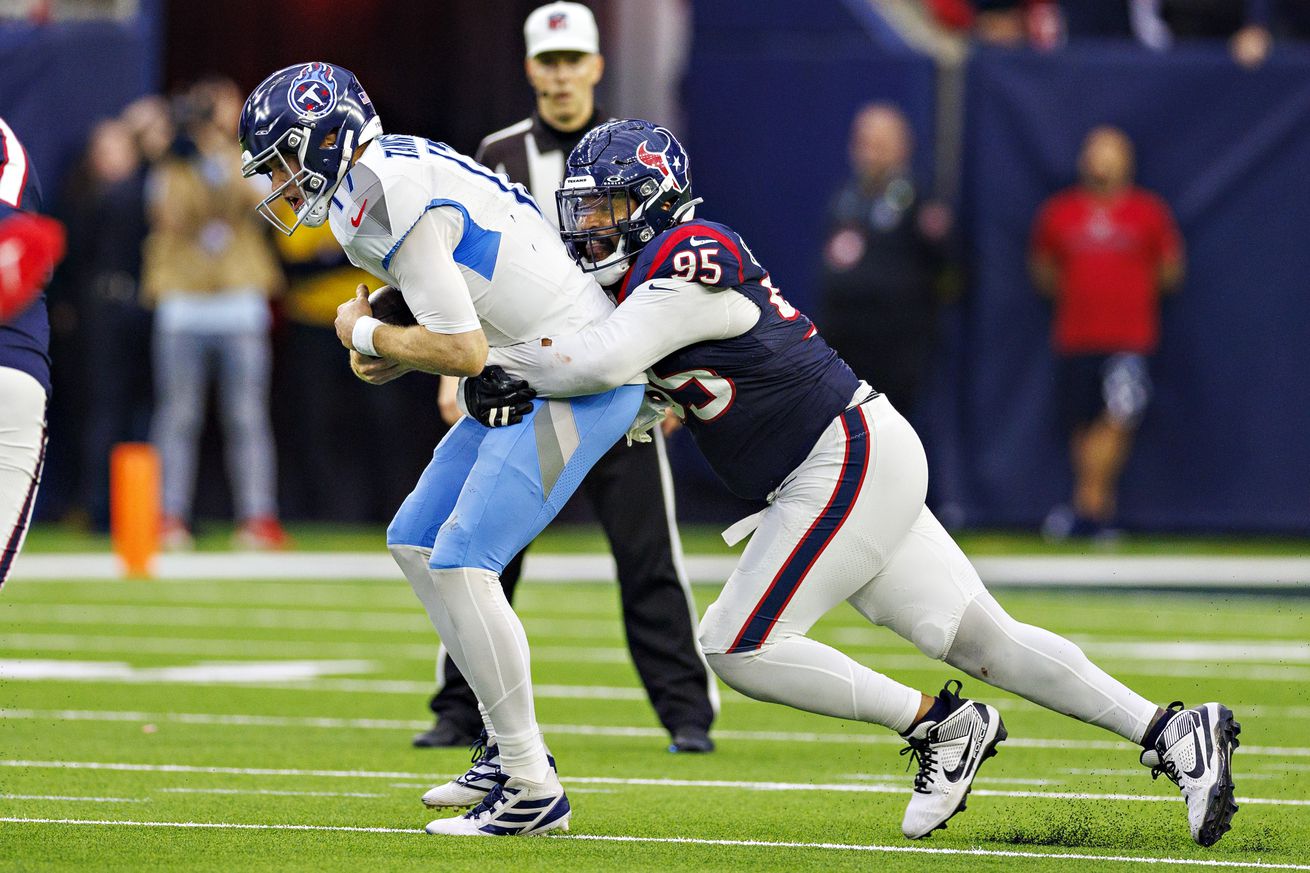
1244, 23
209, 268
333, 479
883, 260
114, 325
1004, 23
1103, 251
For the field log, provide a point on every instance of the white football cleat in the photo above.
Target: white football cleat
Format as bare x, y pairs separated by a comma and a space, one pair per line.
519, 808
1195, 751
949, 753
482, 777
470, 788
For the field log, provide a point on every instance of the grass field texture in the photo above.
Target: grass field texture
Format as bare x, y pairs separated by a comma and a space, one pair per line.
273, 718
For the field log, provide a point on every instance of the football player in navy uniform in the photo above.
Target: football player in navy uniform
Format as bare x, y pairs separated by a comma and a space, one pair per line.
783, 419
30, 246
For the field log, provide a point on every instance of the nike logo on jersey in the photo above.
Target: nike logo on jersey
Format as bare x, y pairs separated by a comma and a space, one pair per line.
359, 216
699, 241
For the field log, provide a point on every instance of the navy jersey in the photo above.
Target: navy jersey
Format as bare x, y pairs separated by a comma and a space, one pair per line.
25, 341
755, 403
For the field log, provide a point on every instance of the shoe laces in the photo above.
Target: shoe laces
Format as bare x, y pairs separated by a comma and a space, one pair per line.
1167, 766
479, 748
488, 803
922, 752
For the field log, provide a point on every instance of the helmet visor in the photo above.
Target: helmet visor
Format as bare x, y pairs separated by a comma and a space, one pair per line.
593, 224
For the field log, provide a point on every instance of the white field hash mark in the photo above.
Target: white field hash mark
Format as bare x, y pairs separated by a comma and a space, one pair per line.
691, 841
855, 738
838, 787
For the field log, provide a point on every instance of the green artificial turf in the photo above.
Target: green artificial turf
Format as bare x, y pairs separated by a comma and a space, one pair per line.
333, 750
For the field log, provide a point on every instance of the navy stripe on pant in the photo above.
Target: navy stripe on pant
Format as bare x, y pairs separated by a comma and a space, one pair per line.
855, 465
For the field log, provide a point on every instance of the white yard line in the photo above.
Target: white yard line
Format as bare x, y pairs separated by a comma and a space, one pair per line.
209, 647
856, 737
270, 793
836, 787
1099, 571
73, 797
695, 841
615, 655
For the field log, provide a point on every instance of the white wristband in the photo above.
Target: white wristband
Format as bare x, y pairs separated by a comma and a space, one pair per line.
362, 336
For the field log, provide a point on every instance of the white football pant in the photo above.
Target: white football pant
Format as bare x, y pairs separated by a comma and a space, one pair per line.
22, 452
850, 524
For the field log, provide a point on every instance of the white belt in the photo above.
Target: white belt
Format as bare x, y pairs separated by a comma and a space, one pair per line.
739, 530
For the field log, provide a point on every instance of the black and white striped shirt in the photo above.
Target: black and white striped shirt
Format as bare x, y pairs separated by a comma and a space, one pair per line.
532, 153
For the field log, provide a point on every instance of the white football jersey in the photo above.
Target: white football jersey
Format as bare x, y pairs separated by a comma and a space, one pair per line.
521, 280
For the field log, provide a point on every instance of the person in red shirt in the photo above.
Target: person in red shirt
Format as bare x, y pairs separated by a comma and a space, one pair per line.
1103, 251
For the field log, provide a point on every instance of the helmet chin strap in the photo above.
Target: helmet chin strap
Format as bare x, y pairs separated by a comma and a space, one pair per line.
317, 212
687, 211
612, 274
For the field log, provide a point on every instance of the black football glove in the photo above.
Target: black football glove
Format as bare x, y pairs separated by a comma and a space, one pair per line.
496, 398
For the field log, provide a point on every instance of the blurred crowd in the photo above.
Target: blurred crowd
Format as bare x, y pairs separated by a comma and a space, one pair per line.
1251, 27
179, 319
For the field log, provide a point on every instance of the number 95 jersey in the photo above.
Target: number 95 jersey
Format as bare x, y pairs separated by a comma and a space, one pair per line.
756, 403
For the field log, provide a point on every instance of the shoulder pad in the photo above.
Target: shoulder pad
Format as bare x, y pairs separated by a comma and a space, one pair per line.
373, 209
705, 252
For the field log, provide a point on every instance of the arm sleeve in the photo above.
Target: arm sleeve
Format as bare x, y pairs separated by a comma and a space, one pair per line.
424, 270
657, 319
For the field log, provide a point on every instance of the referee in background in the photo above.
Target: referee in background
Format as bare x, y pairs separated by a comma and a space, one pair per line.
630, 488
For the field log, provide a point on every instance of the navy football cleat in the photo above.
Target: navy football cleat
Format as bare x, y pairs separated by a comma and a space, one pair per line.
1195, 752
518, 808
949, 753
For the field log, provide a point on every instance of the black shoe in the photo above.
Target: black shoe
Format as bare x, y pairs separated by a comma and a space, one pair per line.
691, 739
443, 735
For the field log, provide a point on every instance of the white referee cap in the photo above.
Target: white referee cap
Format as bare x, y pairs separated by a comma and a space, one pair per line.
561, 27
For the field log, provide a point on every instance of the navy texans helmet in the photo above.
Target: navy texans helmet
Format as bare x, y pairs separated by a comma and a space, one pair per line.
316, 113
624, 184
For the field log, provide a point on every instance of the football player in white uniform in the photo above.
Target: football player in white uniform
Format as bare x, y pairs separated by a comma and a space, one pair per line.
782, 418
478, 266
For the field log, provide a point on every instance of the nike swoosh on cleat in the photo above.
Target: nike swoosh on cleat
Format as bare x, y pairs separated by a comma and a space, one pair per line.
1201, 760
978, 739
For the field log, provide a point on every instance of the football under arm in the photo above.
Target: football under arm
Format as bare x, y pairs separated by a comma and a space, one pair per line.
657, 319
448, 338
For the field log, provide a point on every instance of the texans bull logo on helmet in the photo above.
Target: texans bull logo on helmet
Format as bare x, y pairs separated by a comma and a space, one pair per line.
661, 161
313, 92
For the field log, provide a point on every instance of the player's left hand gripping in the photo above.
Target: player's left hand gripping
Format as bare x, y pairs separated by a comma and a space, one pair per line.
496, 398
350, 312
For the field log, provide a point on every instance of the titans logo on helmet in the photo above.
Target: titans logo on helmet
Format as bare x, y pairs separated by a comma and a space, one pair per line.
313, 93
